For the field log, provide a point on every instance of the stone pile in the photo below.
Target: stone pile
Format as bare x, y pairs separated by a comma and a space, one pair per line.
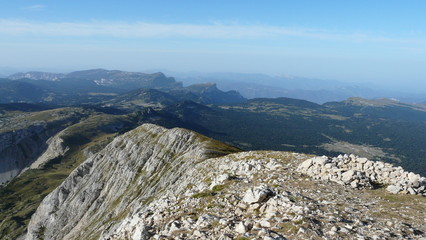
358, 172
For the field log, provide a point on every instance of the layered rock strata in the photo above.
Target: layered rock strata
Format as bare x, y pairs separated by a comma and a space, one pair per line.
132, 170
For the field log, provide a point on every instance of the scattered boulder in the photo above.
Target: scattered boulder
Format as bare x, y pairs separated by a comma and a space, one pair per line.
394, 189
220, 180
257, 195
241, 228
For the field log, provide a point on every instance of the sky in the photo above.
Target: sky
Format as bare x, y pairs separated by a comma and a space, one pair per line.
380, 41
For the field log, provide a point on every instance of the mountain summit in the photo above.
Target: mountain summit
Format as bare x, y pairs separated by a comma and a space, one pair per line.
157, 183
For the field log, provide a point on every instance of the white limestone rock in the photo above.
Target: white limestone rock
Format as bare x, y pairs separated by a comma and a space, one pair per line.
257, 195
241, 228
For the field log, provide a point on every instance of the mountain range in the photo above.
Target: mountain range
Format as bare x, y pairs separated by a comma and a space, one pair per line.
106, 154
315, 90
96, 85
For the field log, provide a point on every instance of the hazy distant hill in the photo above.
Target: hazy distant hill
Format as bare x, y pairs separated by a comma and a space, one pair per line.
102, 77
17, 91
200, 93
315, 90
126, 80
208, 93
141, 98
37, 76
286, 82
97, 85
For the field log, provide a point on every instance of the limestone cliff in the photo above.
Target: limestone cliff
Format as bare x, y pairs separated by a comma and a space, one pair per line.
28, 137
56, 148
21, 148
155, 183
131, 171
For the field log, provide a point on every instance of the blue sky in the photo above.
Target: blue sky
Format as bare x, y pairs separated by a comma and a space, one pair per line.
366, 41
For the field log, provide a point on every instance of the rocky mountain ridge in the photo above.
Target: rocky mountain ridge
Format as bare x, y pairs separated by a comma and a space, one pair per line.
37, 76
155, 183
100, 85
103, 77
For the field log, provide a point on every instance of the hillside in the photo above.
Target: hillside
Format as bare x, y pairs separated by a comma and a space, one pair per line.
157, 183
141, 98
394, 132
17, 91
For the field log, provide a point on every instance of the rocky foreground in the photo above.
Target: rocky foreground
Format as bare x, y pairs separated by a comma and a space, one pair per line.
155, 183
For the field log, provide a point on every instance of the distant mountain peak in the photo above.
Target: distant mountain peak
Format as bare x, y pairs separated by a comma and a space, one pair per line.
126, 80
203, 87
371, 102
34, 75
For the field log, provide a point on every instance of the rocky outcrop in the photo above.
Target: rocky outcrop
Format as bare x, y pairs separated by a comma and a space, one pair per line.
132, 170
362, 173
56, 148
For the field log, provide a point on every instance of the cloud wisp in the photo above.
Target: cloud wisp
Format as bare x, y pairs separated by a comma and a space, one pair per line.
157, 30
36, 7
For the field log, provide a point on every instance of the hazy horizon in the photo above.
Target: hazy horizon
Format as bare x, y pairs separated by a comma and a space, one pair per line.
381, 42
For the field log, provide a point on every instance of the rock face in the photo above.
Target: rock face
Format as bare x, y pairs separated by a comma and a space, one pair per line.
362, 173
21, 148
56, 148
131, 170
257, 195
30, 137
155, 183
